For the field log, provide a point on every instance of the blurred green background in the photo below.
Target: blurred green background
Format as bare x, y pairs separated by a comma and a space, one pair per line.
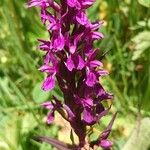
127, 36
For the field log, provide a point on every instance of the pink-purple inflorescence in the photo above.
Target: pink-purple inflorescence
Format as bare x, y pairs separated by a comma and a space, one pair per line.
70, 61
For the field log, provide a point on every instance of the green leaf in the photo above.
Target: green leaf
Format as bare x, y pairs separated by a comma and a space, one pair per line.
142, 42
39, 95
145, 3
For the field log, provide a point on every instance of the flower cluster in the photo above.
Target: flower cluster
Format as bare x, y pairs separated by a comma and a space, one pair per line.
70, 60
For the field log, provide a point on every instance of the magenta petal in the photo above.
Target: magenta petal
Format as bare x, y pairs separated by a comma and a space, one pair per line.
59, 42
82, 18
49, 83
44, 68
96, 25
87, 3
87, 102
88, 116
70, 64
48, 69
97, 35
42, 3
48, 105
95, 63
80, 63
50, 117
91, 79
72, 49
102, 72
44, 46
106, 144
92, 55
72, 3
33, 3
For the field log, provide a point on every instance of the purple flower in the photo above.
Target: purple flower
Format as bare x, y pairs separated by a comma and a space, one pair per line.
49, 83
106, 144
82, 18
70, 61
91, 78
72, 3
41, 3
75, 62
51, 107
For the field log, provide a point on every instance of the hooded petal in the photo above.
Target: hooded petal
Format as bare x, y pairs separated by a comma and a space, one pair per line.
49, 83
88, 102
72, 49
70, 64
81, 63
91, 79
84, 102
82, 18
50, 58
73, 45
88, 116
58, 42
92, 55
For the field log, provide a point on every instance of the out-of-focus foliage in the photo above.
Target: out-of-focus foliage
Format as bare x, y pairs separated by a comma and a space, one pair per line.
145, 3
137, 140
127, 36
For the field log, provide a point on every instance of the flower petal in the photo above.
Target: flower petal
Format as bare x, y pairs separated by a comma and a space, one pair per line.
91, 79
49, 83
97, 35
87, 102
88, 116
50, 117
33, 3
95, 63
82, 18
87, 3
48, 69
59, 42
102, 72
106, 144
48, 105
72, 3
70, 64
80, 63
72, 49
